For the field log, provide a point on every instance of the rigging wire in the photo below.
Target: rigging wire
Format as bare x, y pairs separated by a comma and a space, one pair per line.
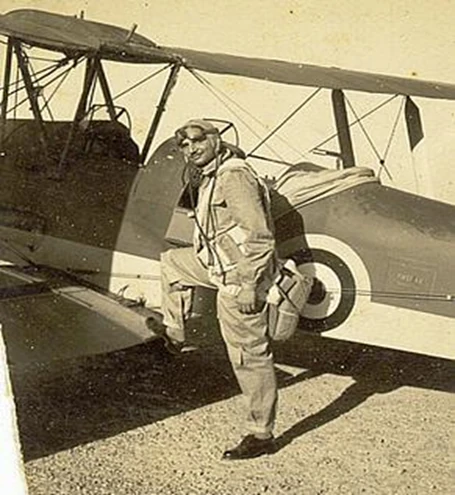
47, 84
43, 59
64, 75
142, 81
362, 127
205, 83
255, 119
354, 122
392, 135
285, 121
381, 159
39, 90
42, 72
127, 90
59, 63
34, 57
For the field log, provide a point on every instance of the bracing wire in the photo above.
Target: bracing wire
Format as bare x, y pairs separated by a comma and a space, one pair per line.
139, 83
61, 62
208, 86
285, 121
381, 160
365, 132
44, 72
58, 86
354, 122
40, 90
48, 71
47, 84
392, 135
254, 118
43, 59
131, 88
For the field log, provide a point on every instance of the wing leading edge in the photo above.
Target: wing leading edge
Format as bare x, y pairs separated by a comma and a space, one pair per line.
280, 71
45, 319
74, 36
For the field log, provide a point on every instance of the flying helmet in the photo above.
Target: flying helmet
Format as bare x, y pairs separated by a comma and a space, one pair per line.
203, 126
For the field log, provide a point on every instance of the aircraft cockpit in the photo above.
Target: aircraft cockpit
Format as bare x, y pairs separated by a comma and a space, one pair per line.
100, 139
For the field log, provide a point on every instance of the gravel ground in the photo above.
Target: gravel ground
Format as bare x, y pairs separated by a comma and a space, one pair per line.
352, 420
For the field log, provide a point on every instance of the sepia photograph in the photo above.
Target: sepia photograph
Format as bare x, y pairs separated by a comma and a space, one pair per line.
227, 247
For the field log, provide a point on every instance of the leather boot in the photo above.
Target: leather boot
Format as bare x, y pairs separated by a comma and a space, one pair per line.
250, 447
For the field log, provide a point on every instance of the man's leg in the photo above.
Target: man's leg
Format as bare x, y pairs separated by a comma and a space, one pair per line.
180, 273
252, 361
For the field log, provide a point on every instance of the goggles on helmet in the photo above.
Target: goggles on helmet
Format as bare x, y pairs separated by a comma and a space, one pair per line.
200, 132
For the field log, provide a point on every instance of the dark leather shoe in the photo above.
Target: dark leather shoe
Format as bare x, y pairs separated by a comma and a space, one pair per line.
250, 447
173, 347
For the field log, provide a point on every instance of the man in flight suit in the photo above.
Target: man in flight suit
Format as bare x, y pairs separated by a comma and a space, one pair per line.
234, 253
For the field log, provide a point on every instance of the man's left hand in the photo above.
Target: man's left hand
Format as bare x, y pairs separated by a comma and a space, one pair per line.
247, 300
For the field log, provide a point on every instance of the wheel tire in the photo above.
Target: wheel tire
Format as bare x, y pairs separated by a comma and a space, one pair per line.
332, 297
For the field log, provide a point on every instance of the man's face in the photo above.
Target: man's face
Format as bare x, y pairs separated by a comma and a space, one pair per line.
198, 147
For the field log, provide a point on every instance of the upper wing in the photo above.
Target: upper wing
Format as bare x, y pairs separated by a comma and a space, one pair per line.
74, 37
301, 74
45, 319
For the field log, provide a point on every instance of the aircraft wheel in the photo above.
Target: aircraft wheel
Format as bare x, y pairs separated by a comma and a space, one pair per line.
332, 296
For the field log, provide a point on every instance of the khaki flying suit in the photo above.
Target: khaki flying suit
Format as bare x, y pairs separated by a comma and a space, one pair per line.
233, 246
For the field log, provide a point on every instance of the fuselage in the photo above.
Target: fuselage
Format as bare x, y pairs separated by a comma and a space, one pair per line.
108, 220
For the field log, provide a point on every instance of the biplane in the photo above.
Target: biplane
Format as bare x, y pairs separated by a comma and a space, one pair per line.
86, 211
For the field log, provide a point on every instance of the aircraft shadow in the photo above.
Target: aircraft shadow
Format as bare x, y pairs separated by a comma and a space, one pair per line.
69, 403
375, 371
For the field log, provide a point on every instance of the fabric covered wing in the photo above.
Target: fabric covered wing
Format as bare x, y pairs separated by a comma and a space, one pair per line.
73, 36
301, 74
47, 319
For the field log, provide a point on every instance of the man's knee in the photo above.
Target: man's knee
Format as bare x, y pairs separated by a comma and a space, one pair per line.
181, 259
166, 258
169, 267
172, 272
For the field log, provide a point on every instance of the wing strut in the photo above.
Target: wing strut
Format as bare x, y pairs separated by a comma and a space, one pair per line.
160, 109
6, 81
80, 112
105, 89
343, 130
31, 92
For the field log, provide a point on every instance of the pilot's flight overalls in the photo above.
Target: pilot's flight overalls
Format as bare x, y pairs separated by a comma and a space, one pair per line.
233, 245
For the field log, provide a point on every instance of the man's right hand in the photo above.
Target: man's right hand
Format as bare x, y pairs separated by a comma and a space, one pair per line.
247, 300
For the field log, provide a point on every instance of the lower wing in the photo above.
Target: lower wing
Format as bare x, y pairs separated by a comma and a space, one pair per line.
47, 316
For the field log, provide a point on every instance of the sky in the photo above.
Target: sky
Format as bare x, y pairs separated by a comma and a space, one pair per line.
401, 37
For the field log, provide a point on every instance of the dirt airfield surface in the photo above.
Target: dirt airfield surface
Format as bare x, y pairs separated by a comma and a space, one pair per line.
352, 419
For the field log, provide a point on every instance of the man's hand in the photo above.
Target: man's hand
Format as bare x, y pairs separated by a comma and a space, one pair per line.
247, 300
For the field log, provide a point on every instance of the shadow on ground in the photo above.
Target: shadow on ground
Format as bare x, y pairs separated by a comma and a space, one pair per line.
64, 404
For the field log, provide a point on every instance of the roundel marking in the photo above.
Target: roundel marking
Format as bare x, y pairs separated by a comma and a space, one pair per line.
332, 296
